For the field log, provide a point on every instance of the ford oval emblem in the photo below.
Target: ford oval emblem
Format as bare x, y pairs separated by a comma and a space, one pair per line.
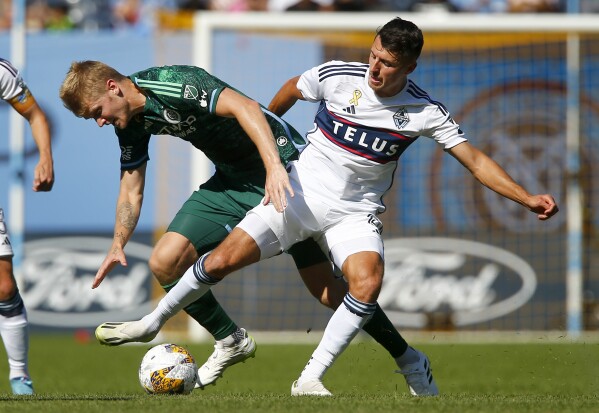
472, 281
57, 275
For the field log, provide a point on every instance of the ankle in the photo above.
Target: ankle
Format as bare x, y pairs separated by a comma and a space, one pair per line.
410, 356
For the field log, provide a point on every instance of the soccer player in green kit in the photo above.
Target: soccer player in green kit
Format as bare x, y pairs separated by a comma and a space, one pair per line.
249, 147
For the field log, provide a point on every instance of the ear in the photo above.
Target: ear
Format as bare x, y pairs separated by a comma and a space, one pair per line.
411, 68
112, 86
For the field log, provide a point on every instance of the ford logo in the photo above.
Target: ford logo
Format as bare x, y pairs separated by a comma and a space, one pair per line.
56, 279
472, 281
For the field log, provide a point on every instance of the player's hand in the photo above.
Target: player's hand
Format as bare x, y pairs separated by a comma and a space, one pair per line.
114, 257
543, 205
277, 182
43, 176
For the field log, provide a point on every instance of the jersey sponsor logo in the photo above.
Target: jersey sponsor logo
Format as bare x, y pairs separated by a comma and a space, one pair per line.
5, 241
203, 101
378, 145
190, 92
181, 129
171, 116
57, 274
401, 118
282, 140
470, 282
126, 153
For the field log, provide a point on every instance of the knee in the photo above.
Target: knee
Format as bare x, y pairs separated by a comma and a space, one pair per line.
218, 263
8, 289
162, 266
366, 287
8, 286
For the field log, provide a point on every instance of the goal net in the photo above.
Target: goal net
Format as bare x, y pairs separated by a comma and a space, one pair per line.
458, 256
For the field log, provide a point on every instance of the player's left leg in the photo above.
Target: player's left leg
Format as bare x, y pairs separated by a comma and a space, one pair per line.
14, 329
364, 271
330, 289
14, 326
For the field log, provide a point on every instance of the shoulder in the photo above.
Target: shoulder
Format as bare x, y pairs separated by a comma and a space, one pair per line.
7, 69
421, 97
11, 83
338, 69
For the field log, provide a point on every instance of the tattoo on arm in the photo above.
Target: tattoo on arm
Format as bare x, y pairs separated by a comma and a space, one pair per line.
126, 215
122, 238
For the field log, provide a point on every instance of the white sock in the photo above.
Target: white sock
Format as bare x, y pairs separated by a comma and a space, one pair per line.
15, 336
410, 356
340, 331
185, 292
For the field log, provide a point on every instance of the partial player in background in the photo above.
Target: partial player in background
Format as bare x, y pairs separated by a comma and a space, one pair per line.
238, 136
13, 317
368, 115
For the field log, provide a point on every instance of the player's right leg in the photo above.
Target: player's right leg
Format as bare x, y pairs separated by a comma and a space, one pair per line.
202, 223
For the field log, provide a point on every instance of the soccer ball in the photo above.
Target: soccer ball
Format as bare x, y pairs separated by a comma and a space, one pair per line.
168, 369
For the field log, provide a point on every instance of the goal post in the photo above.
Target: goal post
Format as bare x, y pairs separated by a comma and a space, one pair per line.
522, 87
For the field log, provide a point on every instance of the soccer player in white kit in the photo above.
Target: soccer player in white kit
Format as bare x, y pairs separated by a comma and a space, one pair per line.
369, 114
13, 317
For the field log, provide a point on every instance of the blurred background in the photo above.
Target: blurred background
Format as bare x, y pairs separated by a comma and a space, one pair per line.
519, 76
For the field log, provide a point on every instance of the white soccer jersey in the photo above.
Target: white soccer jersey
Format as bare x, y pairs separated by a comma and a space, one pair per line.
358, 136
11, 83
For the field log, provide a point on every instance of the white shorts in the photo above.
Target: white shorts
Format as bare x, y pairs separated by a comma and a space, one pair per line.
339, 234
5, 247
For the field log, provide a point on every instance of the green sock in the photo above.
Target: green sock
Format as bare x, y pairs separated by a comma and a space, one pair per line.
209, 314
384, 332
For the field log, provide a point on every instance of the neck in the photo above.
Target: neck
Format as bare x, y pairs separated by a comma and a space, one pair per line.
137, 100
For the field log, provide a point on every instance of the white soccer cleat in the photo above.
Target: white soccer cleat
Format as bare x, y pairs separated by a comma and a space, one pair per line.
312, 387
419, 377
223, 357
113, 333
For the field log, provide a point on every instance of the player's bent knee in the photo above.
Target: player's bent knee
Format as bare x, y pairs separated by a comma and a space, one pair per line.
162, 267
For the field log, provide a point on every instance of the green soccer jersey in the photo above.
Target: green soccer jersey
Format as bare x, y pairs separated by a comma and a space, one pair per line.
181, 101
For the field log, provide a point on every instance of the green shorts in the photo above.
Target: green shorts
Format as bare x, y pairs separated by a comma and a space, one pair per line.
212, 211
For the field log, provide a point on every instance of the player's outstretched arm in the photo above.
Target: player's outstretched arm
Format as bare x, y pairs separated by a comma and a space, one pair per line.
251, 118
128, 210
494, 177
286, 97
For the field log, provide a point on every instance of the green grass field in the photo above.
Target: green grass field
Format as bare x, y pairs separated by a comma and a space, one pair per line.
70, 376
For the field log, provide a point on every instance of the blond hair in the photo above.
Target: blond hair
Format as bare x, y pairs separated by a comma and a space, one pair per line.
84, 83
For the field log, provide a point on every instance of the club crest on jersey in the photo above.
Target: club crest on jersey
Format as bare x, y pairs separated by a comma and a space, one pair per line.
190, 92
401, 118
171, 116
282, 140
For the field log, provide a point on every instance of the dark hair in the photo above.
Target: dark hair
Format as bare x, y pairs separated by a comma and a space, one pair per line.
402, 38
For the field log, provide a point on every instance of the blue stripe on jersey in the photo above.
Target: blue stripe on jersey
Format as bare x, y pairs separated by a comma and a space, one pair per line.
8, 66
418, 93
339, 70
378, 145
133, 165
358, 307
213, 100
